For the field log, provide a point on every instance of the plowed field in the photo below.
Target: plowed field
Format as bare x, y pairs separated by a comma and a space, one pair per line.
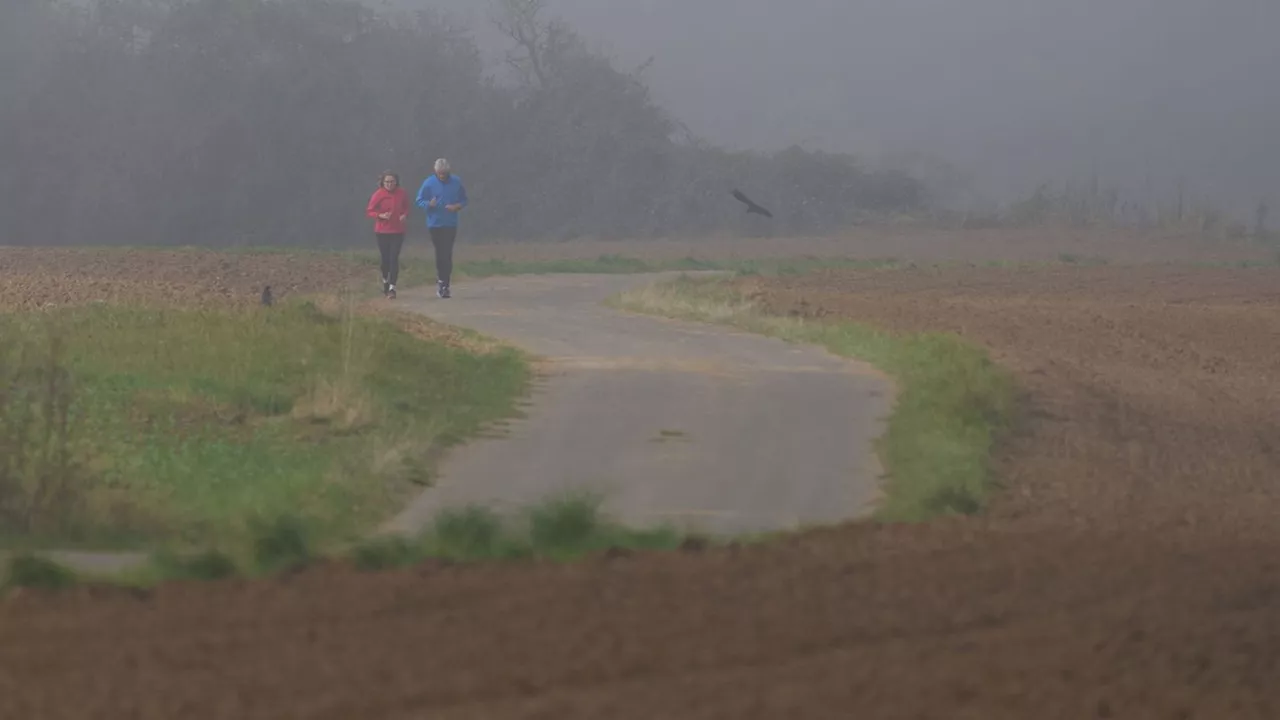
1154, 392
32, 278
1129, 568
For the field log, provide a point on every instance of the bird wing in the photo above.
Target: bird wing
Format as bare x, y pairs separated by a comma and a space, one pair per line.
751, 204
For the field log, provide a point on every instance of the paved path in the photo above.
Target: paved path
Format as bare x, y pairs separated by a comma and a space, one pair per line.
699, 426
696, 425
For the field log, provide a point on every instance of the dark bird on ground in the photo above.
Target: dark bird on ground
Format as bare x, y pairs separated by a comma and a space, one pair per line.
751, 206
266, 296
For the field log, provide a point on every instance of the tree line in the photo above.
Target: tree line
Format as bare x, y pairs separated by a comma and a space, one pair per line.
267, 122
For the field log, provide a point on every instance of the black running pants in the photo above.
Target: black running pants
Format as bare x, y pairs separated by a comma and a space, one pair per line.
442, 238
389, 245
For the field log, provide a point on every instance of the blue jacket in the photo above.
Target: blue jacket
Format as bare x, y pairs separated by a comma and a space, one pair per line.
446, 193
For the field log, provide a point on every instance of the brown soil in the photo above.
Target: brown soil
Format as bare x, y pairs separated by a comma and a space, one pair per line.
906, 243
884, 623
1130, 568
32, 278
1152, 391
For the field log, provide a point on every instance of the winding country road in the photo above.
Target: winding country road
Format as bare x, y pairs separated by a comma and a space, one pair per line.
697, 426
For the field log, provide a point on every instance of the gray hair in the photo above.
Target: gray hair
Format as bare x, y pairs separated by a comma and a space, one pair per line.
442, 165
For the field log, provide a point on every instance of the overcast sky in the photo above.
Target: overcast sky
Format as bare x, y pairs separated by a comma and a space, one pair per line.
1015, 91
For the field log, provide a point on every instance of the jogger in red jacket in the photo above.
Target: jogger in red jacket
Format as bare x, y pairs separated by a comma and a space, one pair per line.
389, 206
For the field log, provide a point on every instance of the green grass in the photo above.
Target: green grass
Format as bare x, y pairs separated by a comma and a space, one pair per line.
194, 427
561, 529
415, 271
36, 572
952, 402
282, 544
206, 565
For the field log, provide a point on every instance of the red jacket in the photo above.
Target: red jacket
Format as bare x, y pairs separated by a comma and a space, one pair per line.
396, 202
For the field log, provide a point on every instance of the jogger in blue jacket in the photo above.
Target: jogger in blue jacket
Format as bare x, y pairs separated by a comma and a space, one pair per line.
443, 196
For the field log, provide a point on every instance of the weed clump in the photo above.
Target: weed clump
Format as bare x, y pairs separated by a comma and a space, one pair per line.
43, 471
562, 528
33, 571
282, 544
385, 553
565, 526
470, 533
208, 565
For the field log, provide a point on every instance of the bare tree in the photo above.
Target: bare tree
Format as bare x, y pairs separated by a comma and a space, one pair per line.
538, 40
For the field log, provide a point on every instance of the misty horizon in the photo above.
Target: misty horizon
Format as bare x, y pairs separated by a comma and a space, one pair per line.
1146, 93
1151, 115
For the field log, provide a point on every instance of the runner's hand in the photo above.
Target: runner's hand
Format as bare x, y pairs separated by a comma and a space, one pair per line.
454, 207
384, 216
433, 202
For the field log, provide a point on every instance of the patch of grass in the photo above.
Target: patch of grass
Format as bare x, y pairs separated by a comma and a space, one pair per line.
207, 565
803, 265
384, 553
952, 401
282, 544
1086, 260
472, 533
185, 427
561, 526
572, 525
34, 571
414, 271
43, 470
613, 264
561, 529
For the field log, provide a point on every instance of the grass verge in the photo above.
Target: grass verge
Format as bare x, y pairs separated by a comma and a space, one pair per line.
417, 271
952, 401
36, 572
125, 426
560, 529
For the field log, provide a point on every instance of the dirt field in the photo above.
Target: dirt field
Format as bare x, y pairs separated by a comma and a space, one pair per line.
31, 278
904, 243
1153, 391
1129, 569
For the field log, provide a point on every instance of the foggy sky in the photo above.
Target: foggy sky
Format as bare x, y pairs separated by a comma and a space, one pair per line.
1016, 92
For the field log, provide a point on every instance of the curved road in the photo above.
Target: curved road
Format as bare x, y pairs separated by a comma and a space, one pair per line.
699, 426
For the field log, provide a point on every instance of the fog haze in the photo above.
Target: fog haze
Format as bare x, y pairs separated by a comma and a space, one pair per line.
928, 104
1015, 92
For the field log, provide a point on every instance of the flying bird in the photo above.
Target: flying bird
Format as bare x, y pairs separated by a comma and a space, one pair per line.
266, 296
751, 206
